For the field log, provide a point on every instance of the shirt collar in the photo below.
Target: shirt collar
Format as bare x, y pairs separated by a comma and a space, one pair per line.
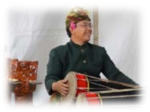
78, 46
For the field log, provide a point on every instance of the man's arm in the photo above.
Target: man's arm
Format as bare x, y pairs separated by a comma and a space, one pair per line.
54, 70
112, 72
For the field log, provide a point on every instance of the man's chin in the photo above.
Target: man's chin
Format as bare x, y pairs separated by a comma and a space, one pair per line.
87, 39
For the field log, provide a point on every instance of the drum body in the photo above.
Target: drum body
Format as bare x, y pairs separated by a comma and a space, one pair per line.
109, 97
89, 98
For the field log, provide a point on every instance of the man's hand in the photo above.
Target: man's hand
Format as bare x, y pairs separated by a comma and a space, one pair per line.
61, 86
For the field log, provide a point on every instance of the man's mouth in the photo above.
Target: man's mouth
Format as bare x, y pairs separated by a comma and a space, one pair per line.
88, 34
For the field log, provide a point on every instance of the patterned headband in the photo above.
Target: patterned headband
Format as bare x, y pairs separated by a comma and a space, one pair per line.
76, 15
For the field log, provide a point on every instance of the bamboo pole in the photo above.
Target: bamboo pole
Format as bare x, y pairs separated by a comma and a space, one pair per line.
95, 27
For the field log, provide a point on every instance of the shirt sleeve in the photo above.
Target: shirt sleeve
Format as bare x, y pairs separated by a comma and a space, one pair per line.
112, 72
54, 70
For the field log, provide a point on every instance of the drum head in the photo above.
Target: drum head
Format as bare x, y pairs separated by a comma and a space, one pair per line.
72, 82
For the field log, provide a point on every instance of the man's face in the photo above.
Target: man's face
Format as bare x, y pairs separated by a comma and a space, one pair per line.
83, 30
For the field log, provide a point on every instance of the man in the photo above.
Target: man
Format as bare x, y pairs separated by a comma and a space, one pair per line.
80, 56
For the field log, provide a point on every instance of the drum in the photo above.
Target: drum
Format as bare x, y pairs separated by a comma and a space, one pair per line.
110, 96
82, 83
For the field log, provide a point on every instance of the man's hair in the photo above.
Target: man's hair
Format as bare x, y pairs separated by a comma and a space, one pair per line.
68, 32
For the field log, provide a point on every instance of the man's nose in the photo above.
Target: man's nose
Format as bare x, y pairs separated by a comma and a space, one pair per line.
89, 27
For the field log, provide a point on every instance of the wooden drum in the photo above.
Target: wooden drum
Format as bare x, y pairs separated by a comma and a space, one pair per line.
89, 86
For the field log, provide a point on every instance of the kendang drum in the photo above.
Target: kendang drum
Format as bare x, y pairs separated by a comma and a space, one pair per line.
82, 83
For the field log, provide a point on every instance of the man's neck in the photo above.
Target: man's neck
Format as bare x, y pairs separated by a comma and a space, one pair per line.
78, 42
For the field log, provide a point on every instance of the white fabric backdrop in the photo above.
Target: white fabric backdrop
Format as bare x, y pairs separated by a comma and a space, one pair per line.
33, 34
119, 35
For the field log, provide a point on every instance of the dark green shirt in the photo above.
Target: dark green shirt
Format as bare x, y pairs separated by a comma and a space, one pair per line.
88, 58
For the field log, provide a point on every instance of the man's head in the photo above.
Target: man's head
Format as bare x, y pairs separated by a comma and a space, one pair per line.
78, 24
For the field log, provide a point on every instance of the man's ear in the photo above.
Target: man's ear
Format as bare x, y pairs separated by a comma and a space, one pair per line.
71, 30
